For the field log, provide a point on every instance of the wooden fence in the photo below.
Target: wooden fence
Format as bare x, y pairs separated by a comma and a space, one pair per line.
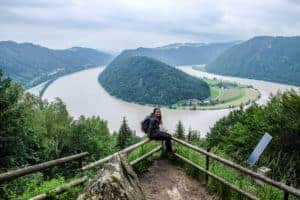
8, 176
287, 189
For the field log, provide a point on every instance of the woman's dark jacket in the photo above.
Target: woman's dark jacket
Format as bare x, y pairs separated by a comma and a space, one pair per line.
153, 125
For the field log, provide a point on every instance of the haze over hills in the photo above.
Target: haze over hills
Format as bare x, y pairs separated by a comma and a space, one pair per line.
267, 58
182, 53
148, 81
31, 64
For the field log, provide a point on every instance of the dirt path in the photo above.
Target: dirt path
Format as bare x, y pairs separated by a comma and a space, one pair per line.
166, 181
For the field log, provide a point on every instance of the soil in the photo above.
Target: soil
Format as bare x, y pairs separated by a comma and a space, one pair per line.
166, 181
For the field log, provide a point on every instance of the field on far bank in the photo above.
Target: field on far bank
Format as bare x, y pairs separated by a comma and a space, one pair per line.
223, 95
228, 98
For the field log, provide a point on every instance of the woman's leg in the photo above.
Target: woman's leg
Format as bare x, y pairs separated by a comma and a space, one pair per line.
163, 136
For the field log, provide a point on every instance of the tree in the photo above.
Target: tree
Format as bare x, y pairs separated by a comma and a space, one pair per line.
179, 132
91, 135
189, 135
125, 136
193, 136
11, 123
58, 126
238, 133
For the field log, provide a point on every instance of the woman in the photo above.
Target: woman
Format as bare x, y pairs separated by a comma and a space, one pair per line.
154, 130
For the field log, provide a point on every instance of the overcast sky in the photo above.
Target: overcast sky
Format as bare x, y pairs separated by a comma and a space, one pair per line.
122, 24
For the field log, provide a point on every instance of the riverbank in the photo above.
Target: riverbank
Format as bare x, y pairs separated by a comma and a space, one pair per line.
83, 95
40, 88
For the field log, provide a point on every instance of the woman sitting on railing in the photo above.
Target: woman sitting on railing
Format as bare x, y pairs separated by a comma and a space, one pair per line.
154, 131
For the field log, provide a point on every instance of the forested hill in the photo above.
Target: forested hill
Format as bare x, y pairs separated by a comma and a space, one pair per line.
182, 54
274, 59
31, 64
148, 81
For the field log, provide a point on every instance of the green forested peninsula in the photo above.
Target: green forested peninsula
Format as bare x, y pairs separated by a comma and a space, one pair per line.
275, 59
148, 81
30, 64
182, 53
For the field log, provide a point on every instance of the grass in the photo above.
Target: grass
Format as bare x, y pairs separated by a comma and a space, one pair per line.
223, 94
215, 92
143, 165
226, 98
246, 183
232, 94
35, 185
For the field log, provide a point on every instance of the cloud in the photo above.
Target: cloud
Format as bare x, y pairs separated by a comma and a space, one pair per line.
119, 24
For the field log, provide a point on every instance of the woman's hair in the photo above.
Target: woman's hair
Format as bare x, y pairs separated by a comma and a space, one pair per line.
159, 118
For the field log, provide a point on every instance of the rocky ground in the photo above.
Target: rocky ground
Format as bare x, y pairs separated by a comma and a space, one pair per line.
166, 181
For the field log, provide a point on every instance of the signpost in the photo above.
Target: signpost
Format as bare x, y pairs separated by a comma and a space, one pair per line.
260, 147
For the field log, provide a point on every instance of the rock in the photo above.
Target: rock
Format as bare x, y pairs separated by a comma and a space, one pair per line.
116, 180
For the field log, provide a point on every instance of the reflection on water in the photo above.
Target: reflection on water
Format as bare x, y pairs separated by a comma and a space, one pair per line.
84, 96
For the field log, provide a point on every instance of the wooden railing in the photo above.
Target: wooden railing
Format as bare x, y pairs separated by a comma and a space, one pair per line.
287, 189
42, 166
8, 176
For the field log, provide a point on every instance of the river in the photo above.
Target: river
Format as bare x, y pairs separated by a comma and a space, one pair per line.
84, 96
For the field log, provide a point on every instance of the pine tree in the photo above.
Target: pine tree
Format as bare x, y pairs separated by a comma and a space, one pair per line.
124, 136
195, 136
189, 135
179, 133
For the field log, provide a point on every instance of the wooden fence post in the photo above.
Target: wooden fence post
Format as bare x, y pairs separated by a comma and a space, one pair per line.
286, 194
207, 167
79, 161
164, 149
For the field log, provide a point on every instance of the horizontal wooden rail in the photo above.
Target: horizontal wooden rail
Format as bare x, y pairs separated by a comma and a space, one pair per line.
62, 188
108, 158
233, 187
146, 155
244, 170
79, 181
38, 167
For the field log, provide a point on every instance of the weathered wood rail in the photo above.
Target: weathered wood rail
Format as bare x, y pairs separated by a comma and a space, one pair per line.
287, 189
39, 167
8, 176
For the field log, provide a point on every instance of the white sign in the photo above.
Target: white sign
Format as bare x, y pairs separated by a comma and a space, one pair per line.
260, 147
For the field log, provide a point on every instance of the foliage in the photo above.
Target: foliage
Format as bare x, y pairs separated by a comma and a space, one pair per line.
148, 81
125, 137
179, 132
193, 136
40, 131
31, 64
91, 135
143, 165
238, 133
266, 58
262, 191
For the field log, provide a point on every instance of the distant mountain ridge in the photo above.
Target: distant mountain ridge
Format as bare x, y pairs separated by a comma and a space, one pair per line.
31, 64
145, 80
267, 58
182, 53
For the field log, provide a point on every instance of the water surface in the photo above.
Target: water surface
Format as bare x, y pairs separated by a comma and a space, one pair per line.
84, 96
